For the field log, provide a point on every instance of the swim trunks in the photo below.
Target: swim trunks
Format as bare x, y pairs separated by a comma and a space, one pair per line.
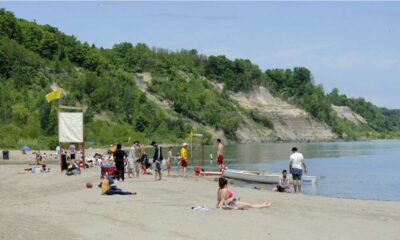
296, 173
184, 163
157, 166
220, 159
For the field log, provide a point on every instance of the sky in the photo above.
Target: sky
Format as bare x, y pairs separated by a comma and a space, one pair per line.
353, 46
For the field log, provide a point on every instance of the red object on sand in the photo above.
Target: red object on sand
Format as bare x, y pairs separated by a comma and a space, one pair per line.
109, 171
197, 170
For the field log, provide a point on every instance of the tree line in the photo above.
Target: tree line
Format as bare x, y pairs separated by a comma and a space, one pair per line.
33, 56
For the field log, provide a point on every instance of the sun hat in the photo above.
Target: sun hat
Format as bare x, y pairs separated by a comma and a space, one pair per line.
184, 144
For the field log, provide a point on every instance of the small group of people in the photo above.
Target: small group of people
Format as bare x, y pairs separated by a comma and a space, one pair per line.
74, 166
136, 165
225, 198
296, 167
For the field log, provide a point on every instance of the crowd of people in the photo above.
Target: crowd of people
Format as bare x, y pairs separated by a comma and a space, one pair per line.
135, 162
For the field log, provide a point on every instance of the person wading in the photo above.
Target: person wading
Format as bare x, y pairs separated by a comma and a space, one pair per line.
220, 155
296, 166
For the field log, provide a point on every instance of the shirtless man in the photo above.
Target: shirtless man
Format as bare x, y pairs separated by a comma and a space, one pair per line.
142, 158
220, 155
283, 185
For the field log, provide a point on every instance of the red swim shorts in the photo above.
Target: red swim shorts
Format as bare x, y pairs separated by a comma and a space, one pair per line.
220, 159
183, 163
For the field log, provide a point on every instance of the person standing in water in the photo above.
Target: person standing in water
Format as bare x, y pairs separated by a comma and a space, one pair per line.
296, 166
220, 155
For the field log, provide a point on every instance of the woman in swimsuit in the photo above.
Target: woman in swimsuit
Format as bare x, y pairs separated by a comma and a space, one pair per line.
227, 201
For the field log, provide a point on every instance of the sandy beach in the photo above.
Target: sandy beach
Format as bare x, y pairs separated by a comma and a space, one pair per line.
53, 205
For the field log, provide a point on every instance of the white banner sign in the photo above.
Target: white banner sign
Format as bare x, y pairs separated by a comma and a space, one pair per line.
70, 127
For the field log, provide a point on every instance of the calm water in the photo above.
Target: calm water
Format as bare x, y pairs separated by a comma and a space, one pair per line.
362, 170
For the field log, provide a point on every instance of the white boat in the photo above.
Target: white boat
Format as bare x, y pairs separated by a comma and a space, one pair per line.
263, 177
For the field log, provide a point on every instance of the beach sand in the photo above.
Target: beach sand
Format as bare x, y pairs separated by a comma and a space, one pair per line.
56, 206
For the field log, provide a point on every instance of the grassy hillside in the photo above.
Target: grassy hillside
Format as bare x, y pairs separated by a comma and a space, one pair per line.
33, 57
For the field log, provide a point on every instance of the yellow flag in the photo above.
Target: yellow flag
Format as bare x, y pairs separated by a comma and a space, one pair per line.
56, 94
191, 135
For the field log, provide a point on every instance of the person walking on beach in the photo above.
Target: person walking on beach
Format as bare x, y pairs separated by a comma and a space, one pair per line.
157, 158
131, 161
72, 151
184, 159
220, 155
296, 166
119, 158
169, 160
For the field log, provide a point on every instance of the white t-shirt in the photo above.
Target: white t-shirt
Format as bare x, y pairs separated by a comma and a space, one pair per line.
72, 149
295, 159
131, 155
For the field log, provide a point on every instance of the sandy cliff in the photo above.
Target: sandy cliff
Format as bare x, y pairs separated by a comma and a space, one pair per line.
290, 122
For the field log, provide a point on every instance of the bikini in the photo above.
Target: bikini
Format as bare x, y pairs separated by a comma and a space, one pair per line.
231, 204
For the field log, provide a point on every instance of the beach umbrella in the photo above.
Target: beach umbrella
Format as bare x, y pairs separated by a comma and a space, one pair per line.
26, 148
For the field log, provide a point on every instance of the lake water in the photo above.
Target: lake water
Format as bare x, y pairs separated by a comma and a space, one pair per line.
362, 170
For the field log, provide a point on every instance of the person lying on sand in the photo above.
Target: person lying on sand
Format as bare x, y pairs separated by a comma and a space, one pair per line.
43, 169
226, 200
108, 187
73, 168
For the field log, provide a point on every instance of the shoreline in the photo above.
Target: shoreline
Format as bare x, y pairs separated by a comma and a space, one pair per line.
26, 159
231, 143
232, 182
43, 205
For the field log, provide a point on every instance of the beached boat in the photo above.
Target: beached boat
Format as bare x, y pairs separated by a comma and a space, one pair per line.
208, 173
263, 177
